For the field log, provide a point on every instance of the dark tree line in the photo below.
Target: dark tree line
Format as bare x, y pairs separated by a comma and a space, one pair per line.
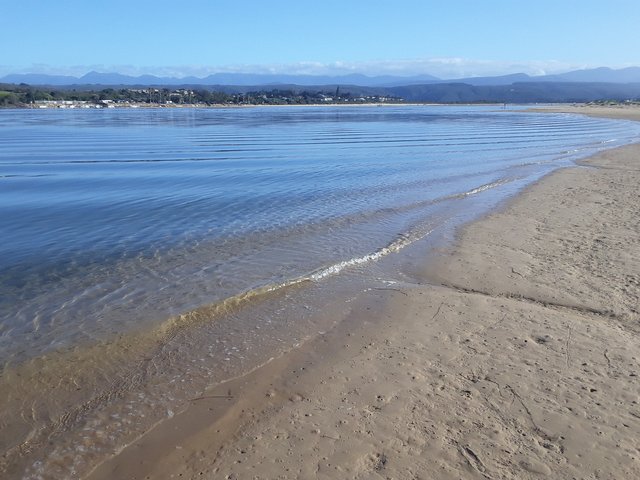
25, 95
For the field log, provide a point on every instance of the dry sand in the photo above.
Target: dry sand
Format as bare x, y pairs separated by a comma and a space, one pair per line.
515, 356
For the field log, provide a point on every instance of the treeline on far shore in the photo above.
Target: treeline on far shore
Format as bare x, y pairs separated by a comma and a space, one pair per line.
29, 96
25, 96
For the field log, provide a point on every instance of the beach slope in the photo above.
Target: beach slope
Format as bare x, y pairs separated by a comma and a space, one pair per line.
514, 355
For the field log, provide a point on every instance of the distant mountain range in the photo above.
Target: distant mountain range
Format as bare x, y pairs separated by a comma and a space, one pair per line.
576, 86
594, 75
238, 79
601, 75
519, 92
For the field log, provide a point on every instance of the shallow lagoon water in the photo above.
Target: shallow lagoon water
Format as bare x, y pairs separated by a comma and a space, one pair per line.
116, 219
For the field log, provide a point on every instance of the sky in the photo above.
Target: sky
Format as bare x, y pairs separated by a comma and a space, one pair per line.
448, 38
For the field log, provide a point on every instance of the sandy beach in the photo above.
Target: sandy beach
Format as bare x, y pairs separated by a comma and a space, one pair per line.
621, 111
511, 354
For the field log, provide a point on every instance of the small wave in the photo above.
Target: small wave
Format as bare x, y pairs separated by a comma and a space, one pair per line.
394, 246
27, 176
210, 311
403, 240
485, 187
480, 189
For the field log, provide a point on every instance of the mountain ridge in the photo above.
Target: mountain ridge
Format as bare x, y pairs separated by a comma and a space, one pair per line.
600, 74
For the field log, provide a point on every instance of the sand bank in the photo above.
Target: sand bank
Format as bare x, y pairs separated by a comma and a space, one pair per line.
514, 354
623, 112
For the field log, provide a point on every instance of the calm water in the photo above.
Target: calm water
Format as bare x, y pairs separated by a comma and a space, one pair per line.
115, 221
111, 219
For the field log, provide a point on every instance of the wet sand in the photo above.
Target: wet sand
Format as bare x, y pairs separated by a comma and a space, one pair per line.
512, 354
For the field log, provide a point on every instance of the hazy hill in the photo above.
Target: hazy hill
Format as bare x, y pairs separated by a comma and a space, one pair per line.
498, 80
602, 75
521, 92
38, 79
241, 79
518, 92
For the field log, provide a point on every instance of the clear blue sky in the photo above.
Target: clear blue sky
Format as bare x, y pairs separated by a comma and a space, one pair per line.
328, 36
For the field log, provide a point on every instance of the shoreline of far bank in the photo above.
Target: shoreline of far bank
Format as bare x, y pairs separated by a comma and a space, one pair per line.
512, 357
618, 112
146, 106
